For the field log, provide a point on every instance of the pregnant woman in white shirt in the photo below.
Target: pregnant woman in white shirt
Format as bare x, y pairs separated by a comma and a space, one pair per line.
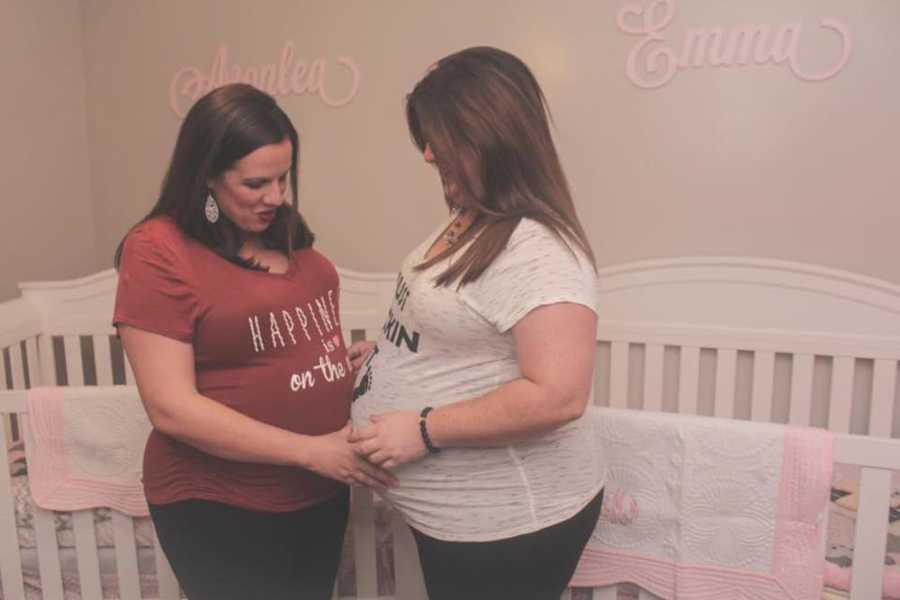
474, 395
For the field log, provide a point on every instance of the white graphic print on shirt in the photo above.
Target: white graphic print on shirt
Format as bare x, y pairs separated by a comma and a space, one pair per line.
304, 322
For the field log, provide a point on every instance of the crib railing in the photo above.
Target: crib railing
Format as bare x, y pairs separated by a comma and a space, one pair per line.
10, 560
13, 403
60, 335
20, 326
847, 384
636, 368
842, 383
407, 578
877, 457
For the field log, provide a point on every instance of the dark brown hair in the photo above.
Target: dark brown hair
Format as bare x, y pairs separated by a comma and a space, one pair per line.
222, 127
485, 119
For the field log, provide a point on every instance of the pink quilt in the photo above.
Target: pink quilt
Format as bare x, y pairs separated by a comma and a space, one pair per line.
704, 509
88, 448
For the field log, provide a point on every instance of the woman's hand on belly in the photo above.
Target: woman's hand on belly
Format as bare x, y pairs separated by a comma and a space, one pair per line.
359, 353
332, 456
390, 440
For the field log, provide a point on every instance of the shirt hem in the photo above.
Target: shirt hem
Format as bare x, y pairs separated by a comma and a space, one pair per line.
213, 496
521, 313
508, 533
137, 324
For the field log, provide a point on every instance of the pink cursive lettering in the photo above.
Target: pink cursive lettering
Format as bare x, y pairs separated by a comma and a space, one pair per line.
655, 61
289, 76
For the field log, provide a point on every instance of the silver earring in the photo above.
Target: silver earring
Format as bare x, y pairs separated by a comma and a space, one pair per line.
211, 209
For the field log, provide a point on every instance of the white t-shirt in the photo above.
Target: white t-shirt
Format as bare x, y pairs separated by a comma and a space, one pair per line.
440, 345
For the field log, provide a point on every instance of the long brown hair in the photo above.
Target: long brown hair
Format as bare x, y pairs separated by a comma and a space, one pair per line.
485, 119
222, 127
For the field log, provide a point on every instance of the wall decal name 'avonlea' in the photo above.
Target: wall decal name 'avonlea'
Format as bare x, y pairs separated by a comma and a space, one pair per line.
655, 60
289, 76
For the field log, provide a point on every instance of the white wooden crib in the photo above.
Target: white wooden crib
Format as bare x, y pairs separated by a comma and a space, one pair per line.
734, 338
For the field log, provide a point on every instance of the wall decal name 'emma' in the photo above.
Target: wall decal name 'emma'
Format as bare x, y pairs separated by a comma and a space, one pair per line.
654, 62
289, 76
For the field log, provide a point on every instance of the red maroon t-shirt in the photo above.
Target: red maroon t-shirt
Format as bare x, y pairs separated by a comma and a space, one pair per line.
267, 345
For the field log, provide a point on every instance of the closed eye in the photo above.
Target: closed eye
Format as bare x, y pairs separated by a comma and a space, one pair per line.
257, 183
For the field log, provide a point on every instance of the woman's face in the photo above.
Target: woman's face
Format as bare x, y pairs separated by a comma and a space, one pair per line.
254, 187
451, 189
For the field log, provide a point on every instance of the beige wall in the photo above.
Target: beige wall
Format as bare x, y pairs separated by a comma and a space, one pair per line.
741, 161
47, 223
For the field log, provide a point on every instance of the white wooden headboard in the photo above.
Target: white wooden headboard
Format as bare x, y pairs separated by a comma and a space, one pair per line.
751, 338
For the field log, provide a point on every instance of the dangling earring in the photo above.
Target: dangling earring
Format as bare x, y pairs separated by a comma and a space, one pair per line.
211, 209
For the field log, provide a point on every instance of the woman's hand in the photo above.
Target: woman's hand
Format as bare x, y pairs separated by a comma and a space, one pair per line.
332, 456
359, 353
392, 439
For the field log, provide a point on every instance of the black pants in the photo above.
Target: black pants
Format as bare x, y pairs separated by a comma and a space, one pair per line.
534, 566
221, 552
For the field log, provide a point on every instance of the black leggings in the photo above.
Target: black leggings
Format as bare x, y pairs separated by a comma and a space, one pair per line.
534, 566
221, 552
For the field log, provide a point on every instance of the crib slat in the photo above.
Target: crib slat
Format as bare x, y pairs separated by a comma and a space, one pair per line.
618, 375
407, 573
801, 389
74, 372
48, 363
31, 352
7, 426
165, 577
45, 536
600, 383
841, 394
688, 380
48, 553
763, 386
102, 360
653, 377
18, 367
871, 534
4, 384
726, 373
17, 373
362, 520
882, 412
126, 556
86, 550
13, 587
609, 592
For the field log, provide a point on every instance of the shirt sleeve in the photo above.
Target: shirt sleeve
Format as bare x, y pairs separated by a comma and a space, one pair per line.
535, 269
154, 291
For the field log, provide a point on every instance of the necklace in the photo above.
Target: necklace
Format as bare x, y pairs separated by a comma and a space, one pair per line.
458, 227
